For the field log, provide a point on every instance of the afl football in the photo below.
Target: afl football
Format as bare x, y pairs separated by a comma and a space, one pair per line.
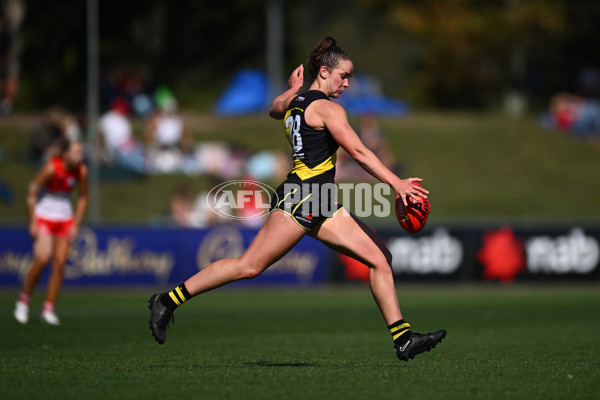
413, 217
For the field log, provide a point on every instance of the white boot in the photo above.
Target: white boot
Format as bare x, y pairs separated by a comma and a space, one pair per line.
21, 312
49, 317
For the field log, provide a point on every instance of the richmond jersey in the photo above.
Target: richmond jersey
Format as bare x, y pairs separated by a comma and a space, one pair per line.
55, 204
314, 151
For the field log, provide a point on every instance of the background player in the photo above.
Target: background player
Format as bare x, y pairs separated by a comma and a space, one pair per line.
53, 225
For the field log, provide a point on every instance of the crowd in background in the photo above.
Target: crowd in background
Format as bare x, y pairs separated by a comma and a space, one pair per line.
165, 145
577, 113
574, 115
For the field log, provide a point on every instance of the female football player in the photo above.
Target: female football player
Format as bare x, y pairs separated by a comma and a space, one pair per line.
316, 127
53, 224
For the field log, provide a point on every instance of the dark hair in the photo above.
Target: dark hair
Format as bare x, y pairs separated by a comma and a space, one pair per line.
327, 53
64, 144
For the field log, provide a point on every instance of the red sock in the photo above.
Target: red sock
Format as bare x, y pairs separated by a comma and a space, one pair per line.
48, 306
24, 298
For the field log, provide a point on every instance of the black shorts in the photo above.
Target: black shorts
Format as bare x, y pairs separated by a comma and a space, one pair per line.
309, 202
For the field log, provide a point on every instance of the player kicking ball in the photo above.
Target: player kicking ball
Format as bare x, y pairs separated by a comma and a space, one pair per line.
315, 128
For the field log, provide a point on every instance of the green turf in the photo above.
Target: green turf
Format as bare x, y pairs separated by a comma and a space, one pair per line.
503, 343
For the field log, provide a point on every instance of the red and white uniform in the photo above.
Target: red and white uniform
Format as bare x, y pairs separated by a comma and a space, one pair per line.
53, 211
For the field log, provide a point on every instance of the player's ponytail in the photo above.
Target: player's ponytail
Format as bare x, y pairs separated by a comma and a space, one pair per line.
327, 53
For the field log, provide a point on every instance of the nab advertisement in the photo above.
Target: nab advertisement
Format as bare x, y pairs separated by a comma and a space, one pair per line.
504, 254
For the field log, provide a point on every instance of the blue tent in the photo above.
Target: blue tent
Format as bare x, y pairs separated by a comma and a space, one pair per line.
248, 94
364, 97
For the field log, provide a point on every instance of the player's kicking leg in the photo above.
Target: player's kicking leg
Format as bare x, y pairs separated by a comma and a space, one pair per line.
277, 236
348, 235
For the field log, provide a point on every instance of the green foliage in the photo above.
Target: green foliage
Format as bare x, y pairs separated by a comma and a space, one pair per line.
435, 53
471, 52
502, 343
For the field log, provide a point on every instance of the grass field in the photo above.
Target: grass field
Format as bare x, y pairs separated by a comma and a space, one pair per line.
503, 343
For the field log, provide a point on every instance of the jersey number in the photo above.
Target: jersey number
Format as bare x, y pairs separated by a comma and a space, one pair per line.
292, 126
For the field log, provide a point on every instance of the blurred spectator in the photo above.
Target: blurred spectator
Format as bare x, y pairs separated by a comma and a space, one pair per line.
193, 211
54, 124
575, 115
373, 138
167, 139
116, 135
214, 158
181, 205
126, 81
203, 215
268, 165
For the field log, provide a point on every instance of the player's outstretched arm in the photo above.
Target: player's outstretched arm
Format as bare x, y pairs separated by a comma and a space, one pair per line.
335, 119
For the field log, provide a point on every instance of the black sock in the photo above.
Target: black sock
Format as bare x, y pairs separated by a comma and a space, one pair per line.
400, 331
176, 297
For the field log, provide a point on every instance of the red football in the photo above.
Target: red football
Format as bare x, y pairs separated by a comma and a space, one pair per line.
413, 217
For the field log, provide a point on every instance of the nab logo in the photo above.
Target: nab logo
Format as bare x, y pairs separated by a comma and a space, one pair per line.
501, 255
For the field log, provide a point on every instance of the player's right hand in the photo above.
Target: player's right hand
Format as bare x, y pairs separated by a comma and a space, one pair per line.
297, 77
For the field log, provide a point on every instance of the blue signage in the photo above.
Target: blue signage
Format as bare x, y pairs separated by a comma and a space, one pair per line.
162, 257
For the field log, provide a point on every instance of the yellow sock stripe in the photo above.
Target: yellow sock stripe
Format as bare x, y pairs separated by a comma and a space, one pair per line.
400, 334
180, 294
397, 328
175, 299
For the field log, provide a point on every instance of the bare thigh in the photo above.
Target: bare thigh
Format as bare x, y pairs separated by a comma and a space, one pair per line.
60, 252
42, 248
276, 237
348, 235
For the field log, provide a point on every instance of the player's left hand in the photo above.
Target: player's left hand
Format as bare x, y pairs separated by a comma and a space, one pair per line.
405, 188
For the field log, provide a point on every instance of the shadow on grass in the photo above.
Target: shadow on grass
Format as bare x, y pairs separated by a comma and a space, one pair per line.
274, 364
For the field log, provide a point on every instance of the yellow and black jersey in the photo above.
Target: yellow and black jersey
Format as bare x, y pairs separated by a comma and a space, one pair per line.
313, 150
308, 194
